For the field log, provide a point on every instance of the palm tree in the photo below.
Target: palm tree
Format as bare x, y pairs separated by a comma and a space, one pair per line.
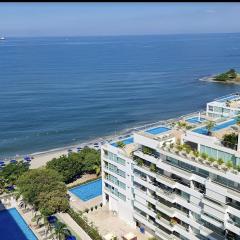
97, 169
210, 125
61, 230
238, 119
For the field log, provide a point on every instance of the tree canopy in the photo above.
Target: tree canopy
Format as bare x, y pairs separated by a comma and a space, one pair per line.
229, 75
45, 190
76, 164
12, 171
230, 140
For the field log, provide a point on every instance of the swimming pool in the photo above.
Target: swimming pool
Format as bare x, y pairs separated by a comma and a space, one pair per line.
13, 226
158, 130
227, 98
125, 141
88, 191
204, 131
195, 120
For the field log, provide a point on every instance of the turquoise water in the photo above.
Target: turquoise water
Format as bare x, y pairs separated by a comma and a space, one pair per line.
158, 130
125, 141
58, 91
13, 226
88, 191
204, 131
227, 98
195, 120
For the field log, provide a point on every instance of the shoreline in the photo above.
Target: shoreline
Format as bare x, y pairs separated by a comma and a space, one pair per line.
42, 157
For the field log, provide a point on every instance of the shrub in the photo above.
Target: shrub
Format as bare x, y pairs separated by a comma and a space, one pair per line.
140, 162
229, 164
204, 156
91, 208
90, 230
196, 153
153, 167
120, 144
220, 161
101, 204
96, 207
179, 147
230, 140
211, 159
86, 210
238, 167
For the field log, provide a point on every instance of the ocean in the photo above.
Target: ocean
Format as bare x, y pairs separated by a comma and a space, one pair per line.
61, 91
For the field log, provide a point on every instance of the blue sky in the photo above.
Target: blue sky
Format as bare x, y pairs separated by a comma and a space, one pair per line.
87, 19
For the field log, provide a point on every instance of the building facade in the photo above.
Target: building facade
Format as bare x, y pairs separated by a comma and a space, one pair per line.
179, 180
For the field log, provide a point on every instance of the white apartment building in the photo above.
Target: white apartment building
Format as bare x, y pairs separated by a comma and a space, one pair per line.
224, 106
176, 180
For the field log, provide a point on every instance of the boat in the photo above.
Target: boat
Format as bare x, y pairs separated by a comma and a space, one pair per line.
2, 38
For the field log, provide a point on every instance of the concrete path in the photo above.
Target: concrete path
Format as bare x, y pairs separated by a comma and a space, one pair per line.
65, 217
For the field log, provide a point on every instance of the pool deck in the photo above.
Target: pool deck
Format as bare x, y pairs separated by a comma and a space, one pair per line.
112, 224
79, 205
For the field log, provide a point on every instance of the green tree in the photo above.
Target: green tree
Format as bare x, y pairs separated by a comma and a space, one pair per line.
230, 140
75, 164
209, 126
12, 171
120, 144
43, 189
61, 230
68, 166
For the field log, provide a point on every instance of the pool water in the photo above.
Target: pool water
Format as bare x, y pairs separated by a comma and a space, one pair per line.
88, 191
204, 131
125, 141
158, 130
227, 98
195, 120
13, 226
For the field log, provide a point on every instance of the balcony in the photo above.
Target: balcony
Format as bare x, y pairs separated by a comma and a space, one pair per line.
233, 226
167, 195
165, 223
165, 209
166, 180
151, 158
142, 219
163, 235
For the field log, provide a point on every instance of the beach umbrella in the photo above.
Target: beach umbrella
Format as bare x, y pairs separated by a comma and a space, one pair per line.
71, 237
52, 219
1, 162
10, 188
13, 161
27, 158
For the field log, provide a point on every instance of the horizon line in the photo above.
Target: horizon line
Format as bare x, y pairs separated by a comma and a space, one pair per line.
118, 35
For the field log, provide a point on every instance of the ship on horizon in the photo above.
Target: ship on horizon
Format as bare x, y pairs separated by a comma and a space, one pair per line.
2, 38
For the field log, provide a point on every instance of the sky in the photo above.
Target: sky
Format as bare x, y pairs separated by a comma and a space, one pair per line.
103, 19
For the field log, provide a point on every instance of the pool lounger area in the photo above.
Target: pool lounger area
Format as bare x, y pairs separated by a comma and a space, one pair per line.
13, 226
88, 191
220, 126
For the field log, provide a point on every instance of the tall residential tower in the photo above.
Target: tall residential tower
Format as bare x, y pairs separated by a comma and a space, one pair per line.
179, 179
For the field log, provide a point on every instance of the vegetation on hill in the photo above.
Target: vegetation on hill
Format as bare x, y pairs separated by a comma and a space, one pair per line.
230, 75
45, 190
74, 165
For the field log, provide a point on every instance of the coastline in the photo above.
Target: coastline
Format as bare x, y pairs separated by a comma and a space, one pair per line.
41, 158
